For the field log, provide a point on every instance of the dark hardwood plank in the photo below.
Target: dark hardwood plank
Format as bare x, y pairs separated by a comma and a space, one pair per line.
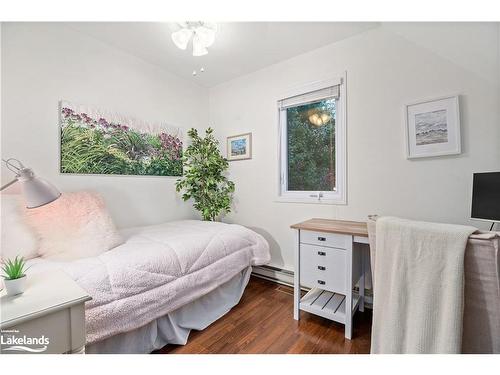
263, 323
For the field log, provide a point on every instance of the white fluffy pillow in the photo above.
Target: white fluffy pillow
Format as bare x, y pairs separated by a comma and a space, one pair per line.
77, 225
17, 238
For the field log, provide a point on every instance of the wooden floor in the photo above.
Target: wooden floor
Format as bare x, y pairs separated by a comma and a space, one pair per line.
263, 323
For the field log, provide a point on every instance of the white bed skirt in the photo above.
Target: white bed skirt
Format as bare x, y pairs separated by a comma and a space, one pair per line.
174, 328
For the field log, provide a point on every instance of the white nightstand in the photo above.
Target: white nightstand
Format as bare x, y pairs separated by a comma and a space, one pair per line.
329, 260
49, 317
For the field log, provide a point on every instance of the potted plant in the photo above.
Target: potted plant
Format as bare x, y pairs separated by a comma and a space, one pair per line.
14, 274
204, 179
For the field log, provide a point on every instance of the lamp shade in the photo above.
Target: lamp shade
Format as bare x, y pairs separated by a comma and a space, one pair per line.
37, 192
206, 36
181, 37
198, 48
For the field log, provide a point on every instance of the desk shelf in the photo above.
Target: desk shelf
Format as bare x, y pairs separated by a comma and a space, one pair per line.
327, 304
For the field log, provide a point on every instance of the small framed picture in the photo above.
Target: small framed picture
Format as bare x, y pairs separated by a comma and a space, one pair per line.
433, 128
239, 147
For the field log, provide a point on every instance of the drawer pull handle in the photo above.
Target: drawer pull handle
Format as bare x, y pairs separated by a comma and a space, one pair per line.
321, 238
322, 253
321, 268
321, 282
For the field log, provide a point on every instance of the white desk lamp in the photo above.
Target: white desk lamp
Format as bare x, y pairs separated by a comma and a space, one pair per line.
37, 192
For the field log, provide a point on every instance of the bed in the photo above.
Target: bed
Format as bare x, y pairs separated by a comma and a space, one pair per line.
162, 282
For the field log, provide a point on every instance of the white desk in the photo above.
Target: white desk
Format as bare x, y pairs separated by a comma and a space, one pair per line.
51, 310
328, 259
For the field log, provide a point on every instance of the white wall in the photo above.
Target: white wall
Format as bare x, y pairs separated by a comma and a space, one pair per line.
384, 71
44, 63
386, 67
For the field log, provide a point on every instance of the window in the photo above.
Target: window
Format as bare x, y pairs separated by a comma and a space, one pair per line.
312, 144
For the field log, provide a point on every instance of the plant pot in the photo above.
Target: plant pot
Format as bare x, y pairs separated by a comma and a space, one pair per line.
15, 286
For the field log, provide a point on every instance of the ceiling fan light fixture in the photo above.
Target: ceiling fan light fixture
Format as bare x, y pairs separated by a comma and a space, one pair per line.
202, 33
319, 119
181, 37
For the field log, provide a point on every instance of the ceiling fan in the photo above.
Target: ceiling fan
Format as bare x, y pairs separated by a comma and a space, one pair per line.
202, 33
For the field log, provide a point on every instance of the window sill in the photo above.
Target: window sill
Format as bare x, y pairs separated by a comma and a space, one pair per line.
340, 202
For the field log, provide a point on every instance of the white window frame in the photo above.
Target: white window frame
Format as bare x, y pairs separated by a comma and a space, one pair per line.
339, 195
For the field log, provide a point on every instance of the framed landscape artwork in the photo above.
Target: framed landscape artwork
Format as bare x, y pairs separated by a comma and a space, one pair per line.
100, 142
433, 128
239, 147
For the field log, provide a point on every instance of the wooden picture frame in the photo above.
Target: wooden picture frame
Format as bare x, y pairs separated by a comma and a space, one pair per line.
239, 147
432, 127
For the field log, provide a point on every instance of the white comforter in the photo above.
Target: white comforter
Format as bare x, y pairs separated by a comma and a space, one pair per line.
159, 269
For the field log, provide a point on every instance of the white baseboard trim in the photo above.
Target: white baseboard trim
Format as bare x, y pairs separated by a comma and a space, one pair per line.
285, 277
275, 274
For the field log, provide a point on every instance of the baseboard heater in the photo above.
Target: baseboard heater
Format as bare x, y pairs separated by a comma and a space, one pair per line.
275, 274
285, 277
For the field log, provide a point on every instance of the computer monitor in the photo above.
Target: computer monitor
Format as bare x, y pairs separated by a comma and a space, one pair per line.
486, 196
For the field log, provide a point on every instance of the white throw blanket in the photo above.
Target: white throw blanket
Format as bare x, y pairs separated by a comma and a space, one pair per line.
418, 286
159, 269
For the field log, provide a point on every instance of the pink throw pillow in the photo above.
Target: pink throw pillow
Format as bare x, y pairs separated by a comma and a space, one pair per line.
77, 225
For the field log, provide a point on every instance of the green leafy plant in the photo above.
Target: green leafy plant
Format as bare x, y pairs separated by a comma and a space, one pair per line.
204, 179
14, 269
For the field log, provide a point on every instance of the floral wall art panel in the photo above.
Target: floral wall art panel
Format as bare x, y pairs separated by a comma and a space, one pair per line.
101, 142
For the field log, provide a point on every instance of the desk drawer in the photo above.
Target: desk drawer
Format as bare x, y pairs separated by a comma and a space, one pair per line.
325, 239
323, 267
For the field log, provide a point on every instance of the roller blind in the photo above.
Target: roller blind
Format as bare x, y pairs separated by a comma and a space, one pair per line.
310, 97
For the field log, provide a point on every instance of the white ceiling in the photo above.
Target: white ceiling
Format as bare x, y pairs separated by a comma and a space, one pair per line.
239, 48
